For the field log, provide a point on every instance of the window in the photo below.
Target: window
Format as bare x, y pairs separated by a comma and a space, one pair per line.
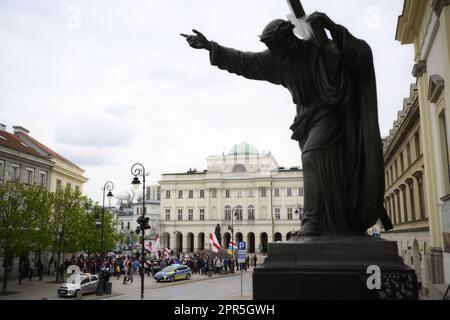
191, 214
15, 173
227, 194
289, 213
250, 193
191, 194
445, 163
168, 215
30, 174
69, 186
289, 192
408, 154
402, 163
301, 192
58, 185
180, 194
239, 213
202, 214
396, 170
263, 192
277, 214
251, 213
167, 194
121, 225
417, 143
214, 193
277, 192
180, 215
128, 226
227, 213
239, 168
77, 189
2, 169
202, 194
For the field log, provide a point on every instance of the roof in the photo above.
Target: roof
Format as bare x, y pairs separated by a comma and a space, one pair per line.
243, 148
49, 151
10, 141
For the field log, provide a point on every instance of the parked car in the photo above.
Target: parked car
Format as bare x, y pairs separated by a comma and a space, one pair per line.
173, 273
78, 285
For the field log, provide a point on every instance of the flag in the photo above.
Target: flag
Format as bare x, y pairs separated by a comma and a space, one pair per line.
166, 253
232, 246
214, 243
157, 241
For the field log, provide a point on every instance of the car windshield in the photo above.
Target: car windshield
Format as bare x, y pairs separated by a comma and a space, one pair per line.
169, 269
75, 279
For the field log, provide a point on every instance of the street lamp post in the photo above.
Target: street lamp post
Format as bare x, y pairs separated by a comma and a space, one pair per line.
139, 170
110, 187
234, 212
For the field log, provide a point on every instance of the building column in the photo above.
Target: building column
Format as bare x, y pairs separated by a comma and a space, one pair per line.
419, 177
398, 207
405, 203
185, 243
410, 183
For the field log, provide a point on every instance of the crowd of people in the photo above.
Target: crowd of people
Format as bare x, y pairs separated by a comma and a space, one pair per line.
131, 265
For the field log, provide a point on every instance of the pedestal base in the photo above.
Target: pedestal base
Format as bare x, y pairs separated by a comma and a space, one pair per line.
334, 268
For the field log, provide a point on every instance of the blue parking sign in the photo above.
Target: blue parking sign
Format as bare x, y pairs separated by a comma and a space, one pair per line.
242, 246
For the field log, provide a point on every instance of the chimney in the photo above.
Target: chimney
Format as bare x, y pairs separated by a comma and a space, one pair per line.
19, 129
2, 127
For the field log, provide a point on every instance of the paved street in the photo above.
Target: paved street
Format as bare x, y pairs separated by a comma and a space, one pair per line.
219, 288
198, 288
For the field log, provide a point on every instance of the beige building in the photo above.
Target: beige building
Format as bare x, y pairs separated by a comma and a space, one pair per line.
64, 172
244, 182
426, 24
405, 197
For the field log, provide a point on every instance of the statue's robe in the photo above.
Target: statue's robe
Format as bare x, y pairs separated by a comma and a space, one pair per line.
334, 89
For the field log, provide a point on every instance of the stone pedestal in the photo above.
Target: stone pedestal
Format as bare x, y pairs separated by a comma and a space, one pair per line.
334, 268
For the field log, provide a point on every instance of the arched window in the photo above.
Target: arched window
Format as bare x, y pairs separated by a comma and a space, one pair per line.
239, 168
228, 213
251, 213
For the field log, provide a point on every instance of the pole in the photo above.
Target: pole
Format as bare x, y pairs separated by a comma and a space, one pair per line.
143, 238
103, 225
242, 275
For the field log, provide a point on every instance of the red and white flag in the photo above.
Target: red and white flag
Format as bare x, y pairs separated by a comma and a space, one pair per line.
214, 243
157, 241
232, 246
166, 253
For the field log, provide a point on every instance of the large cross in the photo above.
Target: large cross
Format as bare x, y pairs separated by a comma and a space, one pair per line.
303, 29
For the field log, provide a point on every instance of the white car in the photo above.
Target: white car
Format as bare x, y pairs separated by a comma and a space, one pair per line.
78, 285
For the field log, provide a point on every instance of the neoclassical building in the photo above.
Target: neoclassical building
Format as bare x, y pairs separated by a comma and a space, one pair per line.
244, 190
404, 196
426, 25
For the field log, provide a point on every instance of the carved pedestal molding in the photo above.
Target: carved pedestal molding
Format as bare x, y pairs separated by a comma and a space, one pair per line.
436, 87
419, 69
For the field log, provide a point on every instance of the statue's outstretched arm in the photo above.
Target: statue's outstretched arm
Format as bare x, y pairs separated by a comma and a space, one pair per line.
251, 65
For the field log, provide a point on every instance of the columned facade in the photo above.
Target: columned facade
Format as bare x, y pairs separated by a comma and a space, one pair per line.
245, 192
426, 25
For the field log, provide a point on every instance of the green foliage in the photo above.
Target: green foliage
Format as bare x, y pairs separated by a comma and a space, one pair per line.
33, 219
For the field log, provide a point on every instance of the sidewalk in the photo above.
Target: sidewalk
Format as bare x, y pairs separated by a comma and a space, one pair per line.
47, 288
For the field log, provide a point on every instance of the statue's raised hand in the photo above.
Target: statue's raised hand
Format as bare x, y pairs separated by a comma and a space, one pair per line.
197, 41
322, 17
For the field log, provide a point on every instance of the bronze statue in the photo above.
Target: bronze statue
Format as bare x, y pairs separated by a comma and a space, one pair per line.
333, 86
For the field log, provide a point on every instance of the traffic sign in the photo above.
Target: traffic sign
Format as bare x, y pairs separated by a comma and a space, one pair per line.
242, 252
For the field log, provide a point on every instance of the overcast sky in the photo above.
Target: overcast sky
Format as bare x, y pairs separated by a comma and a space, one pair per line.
107, 83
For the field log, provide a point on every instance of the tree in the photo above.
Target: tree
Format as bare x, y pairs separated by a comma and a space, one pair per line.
66, 222
23, 217
125, 200
92, 231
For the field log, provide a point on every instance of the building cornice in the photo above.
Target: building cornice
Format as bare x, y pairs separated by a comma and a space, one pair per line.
438, 5
409, 22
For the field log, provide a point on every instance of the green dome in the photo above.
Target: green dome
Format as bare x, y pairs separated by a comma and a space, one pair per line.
243, 149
